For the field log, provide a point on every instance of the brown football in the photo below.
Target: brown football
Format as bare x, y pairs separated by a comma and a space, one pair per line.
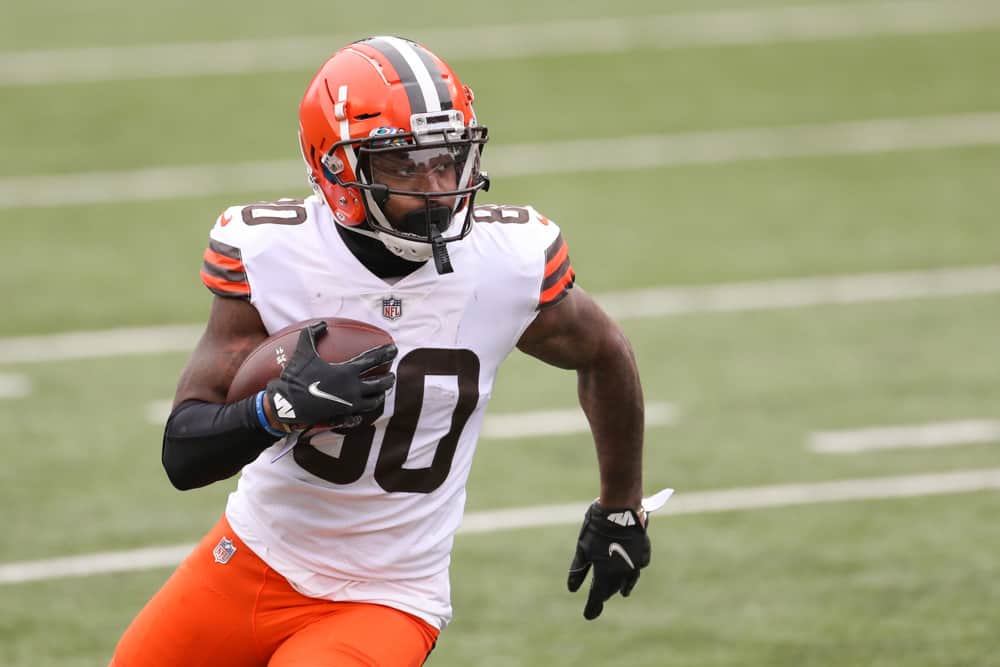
343, 340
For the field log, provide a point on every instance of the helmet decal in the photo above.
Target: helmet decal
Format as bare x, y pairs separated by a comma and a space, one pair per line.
385, 137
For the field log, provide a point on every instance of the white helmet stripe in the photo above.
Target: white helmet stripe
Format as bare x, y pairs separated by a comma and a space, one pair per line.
428, 90
345, 130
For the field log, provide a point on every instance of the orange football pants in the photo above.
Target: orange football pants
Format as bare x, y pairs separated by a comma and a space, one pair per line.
244, 614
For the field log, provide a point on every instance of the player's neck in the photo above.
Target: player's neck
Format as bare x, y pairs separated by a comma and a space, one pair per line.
375, 256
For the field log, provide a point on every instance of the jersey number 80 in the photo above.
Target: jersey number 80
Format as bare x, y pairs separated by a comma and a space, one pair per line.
399, 432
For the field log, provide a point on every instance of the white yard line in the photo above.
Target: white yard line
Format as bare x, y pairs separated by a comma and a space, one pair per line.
698, 502
800, 292
782, 495
937, 434
96, 563
14, 385
579, 156
490, 42
157, 412
560, 422
98, 344
631, 304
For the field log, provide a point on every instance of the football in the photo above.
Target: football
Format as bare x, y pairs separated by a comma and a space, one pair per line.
343, 340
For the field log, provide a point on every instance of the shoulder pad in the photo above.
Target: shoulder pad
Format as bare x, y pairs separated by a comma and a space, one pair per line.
523, 222
558, 277
240, 232
536, 238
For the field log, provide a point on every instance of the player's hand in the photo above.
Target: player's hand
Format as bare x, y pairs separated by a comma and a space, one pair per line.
312, 391
615, 543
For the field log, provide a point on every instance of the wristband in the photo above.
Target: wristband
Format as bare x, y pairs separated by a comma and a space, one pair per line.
262, 417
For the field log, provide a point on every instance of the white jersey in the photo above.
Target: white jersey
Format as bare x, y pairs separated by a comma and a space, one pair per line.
372, 516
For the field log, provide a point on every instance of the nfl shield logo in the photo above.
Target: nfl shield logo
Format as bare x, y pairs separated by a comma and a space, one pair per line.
224, 550
392, 308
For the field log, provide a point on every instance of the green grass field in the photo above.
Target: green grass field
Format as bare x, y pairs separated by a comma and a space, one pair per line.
895, 582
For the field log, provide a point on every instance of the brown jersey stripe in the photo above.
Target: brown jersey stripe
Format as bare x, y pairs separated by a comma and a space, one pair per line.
221, 248
222, 261
226, 288
558, 261
557, 292
554, 277
225, 274
554, 248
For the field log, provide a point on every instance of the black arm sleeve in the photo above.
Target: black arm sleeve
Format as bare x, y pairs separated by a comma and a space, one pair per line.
206, 442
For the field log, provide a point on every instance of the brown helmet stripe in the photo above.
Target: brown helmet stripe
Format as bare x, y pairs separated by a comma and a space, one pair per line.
420, 74
444, 95
406, 76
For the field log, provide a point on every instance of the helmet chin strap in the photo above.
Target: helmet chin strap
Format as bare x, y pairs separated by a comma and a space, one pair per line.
441, 219
436, 217
439, 250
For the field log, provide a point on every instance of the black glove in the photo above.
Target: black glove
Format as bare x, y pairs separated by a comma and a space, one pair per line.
312, 391
614, 541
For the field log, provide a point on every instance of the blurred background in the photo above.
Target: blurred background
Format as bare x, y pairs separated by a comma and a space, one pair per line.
790, 205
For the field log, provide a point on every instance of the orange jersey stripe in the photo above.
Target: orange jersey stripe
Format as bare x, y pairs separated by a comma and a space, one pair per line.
553, 264
554, 292
228, 287
223, 262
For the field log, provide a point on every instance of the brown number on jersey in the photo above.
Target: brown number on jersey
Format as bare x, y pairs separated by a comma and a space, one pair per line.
402, 427
281, 212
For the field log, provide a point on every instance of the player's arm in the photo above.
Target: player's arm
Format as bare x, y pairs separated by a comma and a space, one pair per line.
205, 440
576, 334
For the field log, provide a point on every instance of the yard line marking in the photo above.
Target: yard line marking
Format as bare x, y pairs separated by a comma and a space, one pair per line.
504, 41
801, 292
623, 305
697, 502
99, 344
937, 434
510, 426
519, 160
147, 558
13, 385
157, 412
760, 497
560, 422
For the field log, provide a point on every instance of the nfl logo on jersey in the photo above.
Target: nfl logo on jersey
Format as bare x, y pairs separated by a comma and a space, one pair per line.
392, 308
224, 550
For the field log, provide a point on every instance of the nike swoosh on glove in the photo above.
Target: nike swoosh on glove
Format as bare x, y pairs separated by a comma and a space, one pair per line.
312, 391
615, 543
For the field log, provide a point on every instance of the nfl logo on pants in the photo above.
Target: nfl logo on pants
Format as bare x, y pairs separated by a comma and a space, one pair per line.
224, 550
392, 308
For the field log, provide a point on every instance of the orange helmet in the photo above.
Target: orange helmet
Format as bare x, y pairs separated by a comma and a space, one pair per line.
390, 98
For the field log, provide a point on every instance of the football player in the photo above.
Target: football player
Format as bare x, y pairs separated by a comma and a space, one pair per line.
335, 547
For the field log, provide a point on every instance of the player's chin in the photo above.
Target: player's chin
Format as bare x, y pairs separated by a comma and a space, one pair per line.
409, 205
413, 220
